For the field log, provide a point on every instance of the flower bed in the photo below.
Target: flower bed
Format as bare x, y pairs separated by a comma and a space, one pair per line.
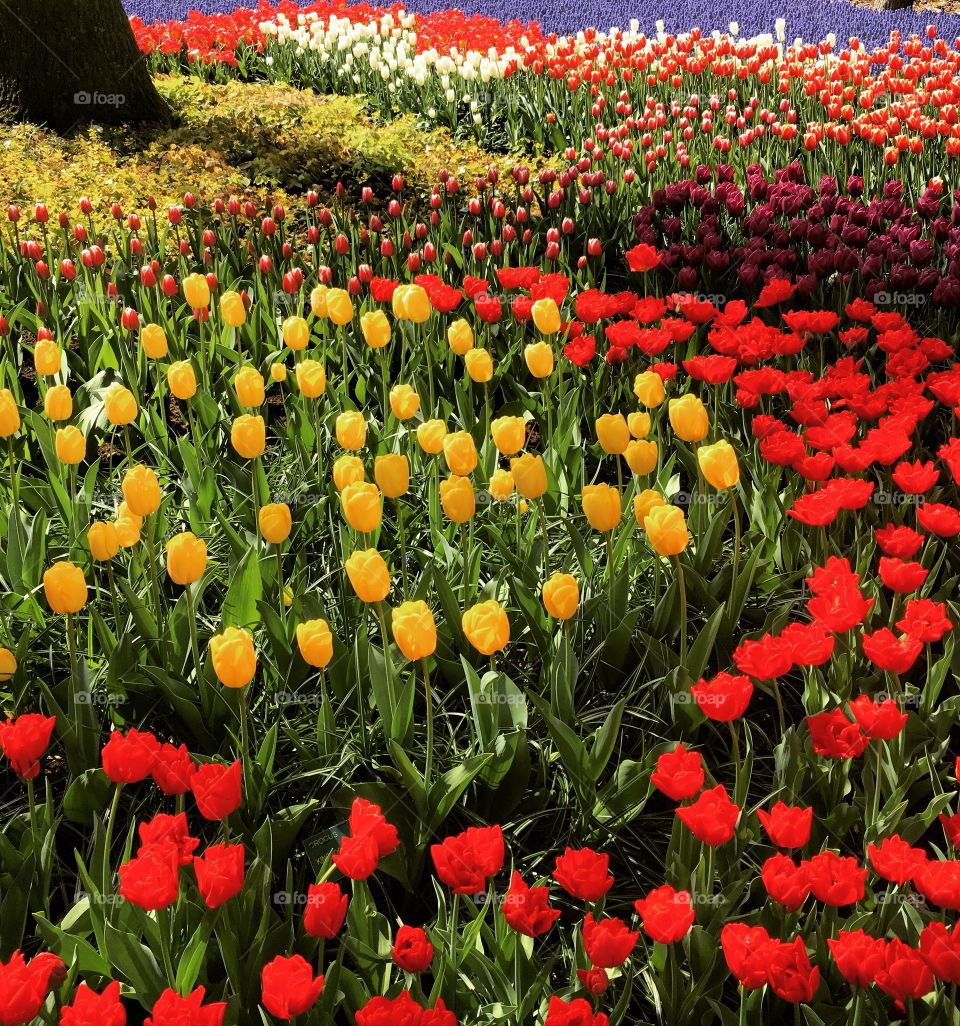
479, 596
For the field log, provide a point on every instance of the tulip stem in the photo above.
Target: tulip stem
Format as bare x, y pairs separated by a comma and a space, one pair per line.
35, 833
546, 540
165, 928
107, 875
609, 537
682, 587
194, 642
403, 547
154, 580
465, 547
388, 667
428, 763
386, 401
283, 614
737, 533
113, 599
14, 485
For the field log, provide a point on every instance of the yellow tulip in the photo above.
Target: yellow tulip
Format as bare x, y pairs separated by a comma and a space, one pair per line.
601, 505
666, 527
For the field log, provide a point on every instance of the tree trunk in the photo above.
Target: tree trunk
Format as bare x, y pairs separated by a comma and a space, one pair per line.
66, 62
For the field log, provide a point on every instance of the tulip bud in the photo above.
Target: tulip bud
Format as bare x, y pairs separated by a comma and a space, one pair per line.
154, 341
457, 499
561, 596
460, 337
311, 378
249, 386
70, 445
275, 522
613, 433
508, 434
233, 656
460, 453
315, 642
648, 388
601, 506
689, 418
248, 436
539, 359
529, 475
347, 470
186, 558
368, 574
120, 405
414, 630
486, 627
718, 463
404, 401
141, 490
546, 316
392, 474
666, 529
182, 380
65, 588
351, 430
641, 456
361, 505
430, 436
103, 541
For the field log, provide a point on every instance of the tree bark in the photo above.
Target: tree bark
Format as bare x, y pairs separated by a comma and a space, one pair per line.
66, 62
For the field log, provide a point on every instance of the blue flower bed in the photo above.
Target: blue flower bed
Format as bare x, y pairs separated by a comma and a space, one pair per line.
814, 21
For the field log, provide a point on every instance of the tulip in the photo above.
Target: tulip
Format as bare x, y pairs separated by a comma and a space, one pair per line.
318, 302
141, 490
248, 436
645, 502
415, 632
641, 456
249, 386
120, 405
460, 337
233, 656
278, 372
539, 359
639, 424
65, 588
128, 528
561, 596
666, 529
186, 558
529, 475
501, 485
648, 388
57, 403
275, 522
509, 434
689, 418
315, 642
460, 453
8, 665
182, 380
232, 309
296, 332
351, 430
47, 358
613, 433
311, 378
479, 364
154, 341
368, 575
196, 291
339, 306
486, 627
546, 316
457, 499
411, 303
431, 435
103, 541
404, 402
602, 506
347, 469
718, 462
10, 414
70, 445
361, 504
392, 474
375, 328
